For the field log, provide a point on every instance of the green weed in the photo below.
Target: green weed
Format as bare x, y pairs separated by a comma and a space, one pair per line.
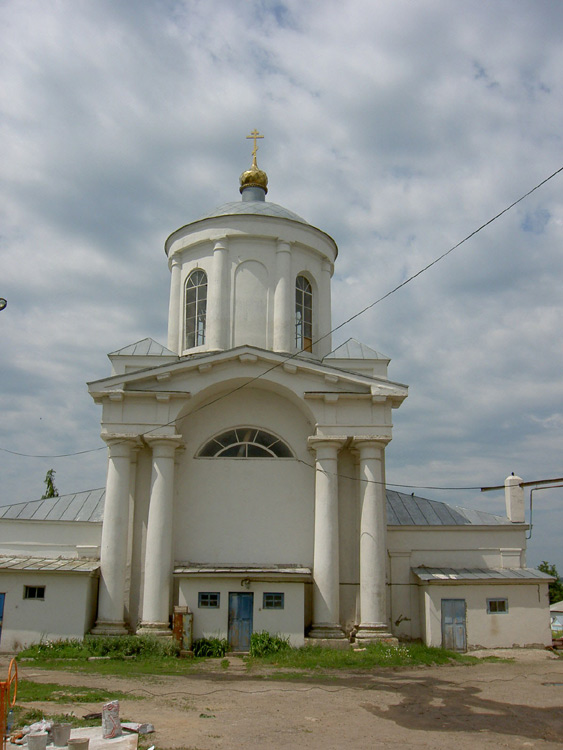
29, 692
264, 644
214, 648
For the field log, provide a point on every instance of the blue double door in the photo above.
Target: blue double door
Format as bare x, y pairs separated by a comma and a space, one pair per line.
241, 608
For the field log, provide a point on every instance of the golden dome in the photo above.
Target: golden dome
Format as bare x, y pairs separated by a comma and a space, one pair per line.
254, 177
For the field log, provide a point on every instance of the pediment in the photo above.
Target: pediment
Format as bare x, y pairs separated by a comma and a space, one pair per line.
190, 374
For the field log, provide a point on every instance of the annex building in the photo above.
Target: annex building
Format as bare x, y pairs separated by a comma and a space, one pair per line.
246, 476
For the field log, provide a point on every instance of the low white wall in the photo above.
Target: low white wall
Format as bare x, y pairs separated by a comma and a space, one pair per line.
49, 538
525, 624
288, 622
67, 611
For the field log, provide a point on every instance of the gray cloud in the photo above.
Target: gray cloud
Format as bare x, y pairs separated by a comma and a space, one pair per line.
397, 128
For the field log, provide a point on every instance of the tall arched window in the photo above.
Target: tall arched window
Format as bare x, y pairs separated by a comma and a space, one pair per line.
196, 308
303, 314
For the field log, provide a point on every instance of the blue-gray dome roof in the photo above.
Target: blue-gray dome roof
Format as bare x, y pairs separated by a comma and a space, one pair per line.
255, 208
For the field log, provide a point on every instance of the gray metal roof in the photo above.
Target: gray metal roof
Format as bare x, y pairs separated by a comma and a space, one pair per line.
48, 564
255, 208
145, 347
410, 510
402, 510
480, 574
354, 349
82, 506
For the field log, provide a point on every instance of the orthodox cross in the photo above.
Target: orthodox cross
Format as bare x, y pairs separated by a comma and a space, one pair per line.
254, 135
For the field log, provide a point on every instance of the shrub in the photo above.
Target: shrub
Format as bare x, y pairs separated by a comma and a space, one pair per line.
116, 647
263, 644
211, 647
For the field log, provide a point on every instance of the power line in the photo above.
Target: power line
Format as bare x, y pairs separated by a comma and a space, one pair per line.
337, 328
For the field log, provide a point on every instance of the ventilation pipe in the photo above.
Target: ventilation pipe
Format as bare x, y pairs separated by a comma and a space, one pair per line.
514, 496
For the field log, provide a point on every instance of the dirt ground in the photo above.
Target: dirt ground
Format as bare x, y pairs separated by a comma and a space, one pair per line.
507, 705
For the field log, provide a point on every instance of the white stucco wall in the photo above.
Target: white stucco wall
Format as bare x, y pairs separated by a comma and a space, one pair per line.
501, 546
525, 624
288, 622
50, 538
256, 510
66, 612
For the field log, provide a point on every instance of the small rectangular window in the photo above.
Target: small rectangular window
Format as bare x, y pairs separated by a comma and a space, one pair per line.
34, 592
208, 599
272, 601
497, 606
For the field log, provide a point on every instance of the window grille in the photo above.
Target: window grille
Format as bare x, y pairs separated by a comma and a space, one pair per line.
34, 592
273, 601
208, 600
245, 442
303, 314
196, 308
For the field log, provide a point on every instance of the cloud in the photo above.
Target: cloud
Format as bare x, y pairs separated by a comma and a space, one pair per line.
397, 128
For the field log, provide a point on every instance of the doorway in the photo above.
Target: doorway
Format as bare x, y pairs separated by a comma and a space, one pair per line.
454, 632
241, 606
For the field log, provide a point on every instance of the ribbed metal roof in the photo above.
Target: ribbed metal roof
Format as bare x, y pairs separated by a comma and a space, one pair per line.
480, 574
254, 208
402, 510
410, 510
47, 564
82, 506
354, 349
145, 347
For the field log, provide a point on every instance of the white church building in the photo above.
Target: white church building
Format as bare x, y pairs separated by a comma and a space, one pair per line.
246, 477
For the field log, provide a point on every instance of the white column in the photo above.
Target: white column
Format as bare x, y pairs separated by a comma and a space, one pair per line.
160, 537
373, 542
114, 544
218, 299
175, 309
326, 578
324, 327
284, 295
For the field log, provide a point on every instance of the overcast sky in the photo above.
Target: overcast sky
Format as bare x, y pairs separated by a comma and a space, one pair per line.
397, 127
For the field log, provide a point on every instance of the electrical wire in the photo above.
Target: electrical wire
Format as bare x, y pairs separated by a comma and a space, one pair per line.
337, 328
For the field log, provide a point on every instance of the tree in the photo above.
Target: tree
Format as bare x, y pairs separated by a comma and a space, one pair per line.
51, 490
556, 587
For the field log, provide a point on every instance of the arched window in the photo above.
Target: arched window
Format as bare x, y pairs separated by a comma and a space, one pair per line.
245, 442
303, 314
196, 308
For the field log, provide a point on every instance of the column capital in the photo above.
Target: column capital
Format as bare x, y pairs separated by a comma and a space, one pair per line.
221, 244
167, 443
124, 441
174, 261
364, 443
283, 246
320, 442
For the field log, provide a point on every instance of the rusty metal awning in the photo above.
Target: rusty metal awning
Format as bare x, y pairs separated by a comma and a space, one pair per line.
480, 575
284, 572
48, 564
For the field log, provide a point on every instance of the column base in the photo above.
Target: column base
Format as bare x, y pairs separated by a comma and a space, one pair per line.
375, 632
156, 629
109, 627
324, 631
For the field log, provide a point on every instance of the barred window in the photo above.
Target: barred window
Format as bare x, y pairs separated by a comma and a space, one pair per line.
196, 308
497, 606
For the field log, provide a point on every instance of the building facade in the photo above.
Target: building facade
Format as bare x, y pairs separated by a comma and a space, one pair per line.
246, 474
